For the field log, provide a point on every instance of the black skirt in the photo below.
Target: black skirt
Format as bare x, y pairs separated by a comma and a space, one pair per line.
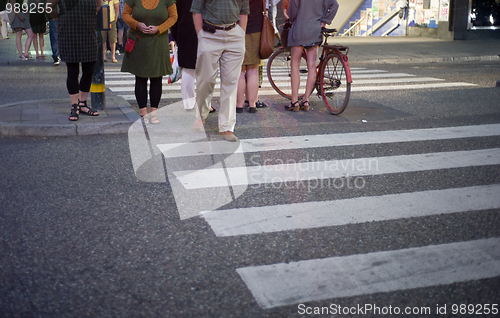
38, 22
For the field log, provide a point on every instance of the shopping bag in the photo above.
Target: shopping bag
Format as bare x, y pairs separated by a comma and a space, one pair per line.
176, 74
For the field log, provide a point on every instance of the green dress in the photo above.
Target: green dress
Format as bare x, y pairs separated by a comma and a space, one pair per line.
151, 54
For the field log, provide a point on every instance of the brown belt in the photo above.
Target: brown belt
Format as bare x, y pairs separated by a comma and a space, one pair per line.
226, 27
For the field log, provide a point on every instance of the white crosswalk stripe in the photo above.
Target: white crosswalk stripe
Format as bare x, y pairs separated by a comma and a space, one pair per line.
293, 283
363, 80
298, 282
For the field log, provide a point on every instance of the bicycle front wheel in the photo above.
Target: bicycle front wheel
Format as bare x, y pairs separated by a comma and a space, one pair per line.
335, 90
279, 73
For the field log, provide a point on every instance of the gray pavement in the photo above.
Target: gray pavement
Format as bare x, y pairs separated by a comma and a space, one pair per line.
50, 117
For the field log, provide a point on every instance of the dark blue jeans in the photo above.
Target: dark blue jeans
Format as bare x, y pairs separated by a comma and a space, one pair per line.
53, 38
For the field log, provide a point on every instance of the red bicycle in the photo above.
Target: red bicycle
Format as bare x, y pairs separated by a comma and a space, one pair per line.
333, 74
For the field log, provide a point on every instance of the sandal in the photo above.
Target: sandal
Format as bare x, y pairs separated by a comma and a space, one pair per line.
253, 110
294, 107
239, 110
212, 109
303, 105
154, 120
90, 112
74, 112
260, 104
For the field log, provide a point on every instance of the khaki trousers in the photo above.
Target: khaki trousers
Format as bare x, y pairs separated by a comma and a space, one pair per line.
224, 49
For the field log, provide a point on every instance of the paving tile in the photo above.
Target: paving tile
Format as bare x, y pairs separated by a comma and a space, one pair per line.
29, 118
29, 106
10, 118
10, 111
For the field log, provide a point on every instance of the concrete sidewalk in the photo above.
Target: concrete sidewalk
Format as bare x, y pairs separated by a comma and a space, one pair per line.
50, 117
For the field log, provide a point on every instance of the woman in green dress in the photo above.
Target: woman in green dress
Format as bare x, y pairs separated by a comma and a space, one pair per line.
149, 21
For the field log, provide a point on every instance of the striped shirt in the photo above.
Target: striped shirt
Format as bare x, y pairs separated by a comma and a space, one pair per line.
221, 11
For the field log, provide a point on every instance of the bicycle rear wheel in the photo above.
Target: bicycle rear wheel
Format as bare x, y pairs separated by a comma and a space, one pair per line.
279, 73
335, 90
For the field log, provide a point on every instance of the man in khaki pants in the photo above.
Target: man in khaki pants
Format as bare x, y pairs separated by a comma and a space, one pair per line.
220, 26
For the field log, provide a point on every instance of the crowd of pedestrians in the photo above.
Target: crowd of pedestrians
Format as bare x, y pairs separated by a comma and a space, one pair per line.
212, 37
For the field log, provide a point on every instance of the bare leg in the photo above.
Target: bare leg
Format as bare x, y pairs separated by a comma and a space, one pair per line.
113, 50
104, 52
35, 45
19, 45
41, 41
252, 84
295, 78
312, 54
27, 46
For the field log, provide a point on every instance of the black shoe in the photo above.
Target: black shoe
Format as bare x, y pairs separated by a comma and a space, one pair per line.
260, 104
56, 61
239, 110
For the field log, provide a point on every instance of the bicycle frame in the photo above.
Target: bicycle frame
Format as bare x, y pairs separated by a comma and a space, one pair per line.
327, 49
337, 49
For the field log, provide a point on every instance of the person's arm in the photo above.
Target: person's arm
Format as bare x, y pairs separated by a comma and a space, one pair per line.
52, 4
98, 4
198, 22
172, 18
292, 10
243, 21
117, 9
131, 22
285, 9
329, 13
16, 13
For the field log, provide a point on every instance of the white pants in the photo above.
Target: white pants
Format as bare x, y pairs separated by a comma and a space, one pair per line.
3, 24
275, 14
188, 87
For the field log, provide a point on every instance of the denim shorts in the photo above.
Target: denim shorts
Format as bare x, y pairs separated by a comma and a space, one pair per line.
308, 46
120, 24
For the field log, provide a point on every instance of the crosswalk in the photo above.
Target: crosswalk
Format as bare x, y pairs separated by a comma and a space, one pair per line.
363, 80
293, 283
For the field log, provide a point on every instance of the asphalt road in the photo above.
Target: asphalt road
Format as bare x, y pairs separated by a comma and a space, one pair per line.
82, 236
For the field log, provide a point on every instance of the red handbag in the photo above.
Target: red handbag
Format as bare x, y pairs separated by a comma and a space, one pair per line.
129, 46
